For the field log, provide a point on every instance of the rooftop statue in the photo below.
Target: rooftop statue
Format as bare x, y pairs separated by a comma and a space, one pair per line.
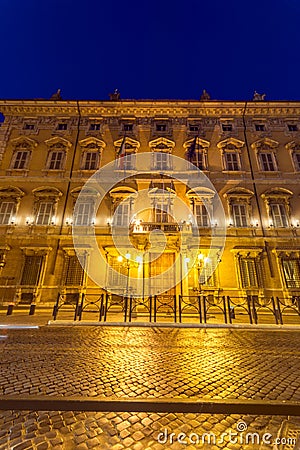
205, 95
258, 97
57, 95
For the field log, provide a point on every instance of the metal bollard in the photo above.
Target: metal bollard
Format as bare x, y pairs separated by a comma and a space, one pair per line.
10, 309
32, 309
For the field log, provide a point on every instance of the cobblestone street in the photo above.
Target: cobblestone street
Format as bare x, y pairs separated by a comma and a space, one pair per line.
120, 362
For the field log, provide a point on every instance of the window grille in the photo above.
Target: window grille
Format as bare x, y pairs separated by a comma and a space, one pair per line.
7, 210
32, 269
291, 271
73, 271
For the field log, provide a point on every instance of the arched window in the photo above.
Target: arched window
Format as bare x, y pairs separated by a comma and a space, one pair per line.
84, 213
277, 202
161, 151
45, 205
57, 154
91, 153
231, 149
196, 152
294, 149
201, 204
10, 198
22, 152
266, 154
122, 205
126, 149
239, 204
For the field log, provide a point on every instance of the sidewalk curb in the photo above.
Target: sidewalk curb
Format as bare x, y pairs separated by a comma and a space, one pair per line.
162, 405
69, 323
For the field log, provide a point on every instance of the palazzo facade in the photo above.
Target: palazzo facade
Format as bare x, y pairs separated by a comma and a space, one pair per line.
250, 151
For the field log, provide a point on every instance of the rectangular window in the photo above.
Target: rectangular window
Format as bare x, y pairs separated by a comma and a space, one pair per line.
45, 213
291, 271
267, 162
194, 128
73, 271
249, 273
128, 127
198, 160
207, 273
239, 215
90, 161
127, 163
161, 161
226, 127
161, 211
161, 278
201, 215
56, 159
95, 126
21, 159
32, 270
232, 161
121, 215
83, 214
292, 127
278, 215
7, 210
62, 126
260, 127
297, 160
28, 126
117, 273
161, 127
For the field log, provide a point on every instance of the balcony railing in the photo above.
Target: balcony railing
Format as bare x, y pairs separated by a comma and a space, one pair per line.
146, 227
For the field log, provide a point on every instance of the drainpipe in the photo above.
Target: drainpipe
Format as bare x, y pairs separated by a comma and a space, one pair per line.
267, 249
68, 189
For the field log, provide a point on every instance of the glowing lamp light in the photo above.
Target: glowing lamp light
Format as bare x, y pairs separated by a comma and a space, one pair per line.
187, 260
127, 256
120, 258
69, 221
13, 220
200, 256
139, 259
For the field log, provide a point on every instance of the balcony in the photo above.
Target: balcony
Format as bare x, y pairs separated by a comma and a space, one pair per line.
147, 227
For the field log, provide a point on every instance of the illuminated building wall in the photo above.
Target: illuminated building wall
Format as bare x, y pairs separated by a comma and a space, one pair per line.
250, 152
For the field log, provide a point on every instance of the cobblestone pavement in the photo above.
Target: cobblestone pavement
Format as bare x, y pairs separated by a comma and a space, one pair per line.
140, 431
142, 362
156, 362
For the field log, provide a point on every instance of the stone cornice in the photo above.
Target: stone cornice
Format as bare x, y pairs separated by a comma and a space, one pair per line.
146, 108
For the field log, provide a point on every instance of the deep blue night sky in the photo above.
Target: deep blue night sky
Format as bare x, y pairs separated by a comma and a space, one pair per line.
150, 49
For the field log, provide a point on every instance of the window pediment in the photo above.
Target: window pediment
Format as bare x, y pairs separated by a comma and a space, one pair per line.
162, 144
200, 193
230, 144
130, 144
47, 193
264, 144
293, 146
24, 142
11, 192
201, 143
242, 194
87, 193
55, 141
247, 252
92, 143
277, 193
